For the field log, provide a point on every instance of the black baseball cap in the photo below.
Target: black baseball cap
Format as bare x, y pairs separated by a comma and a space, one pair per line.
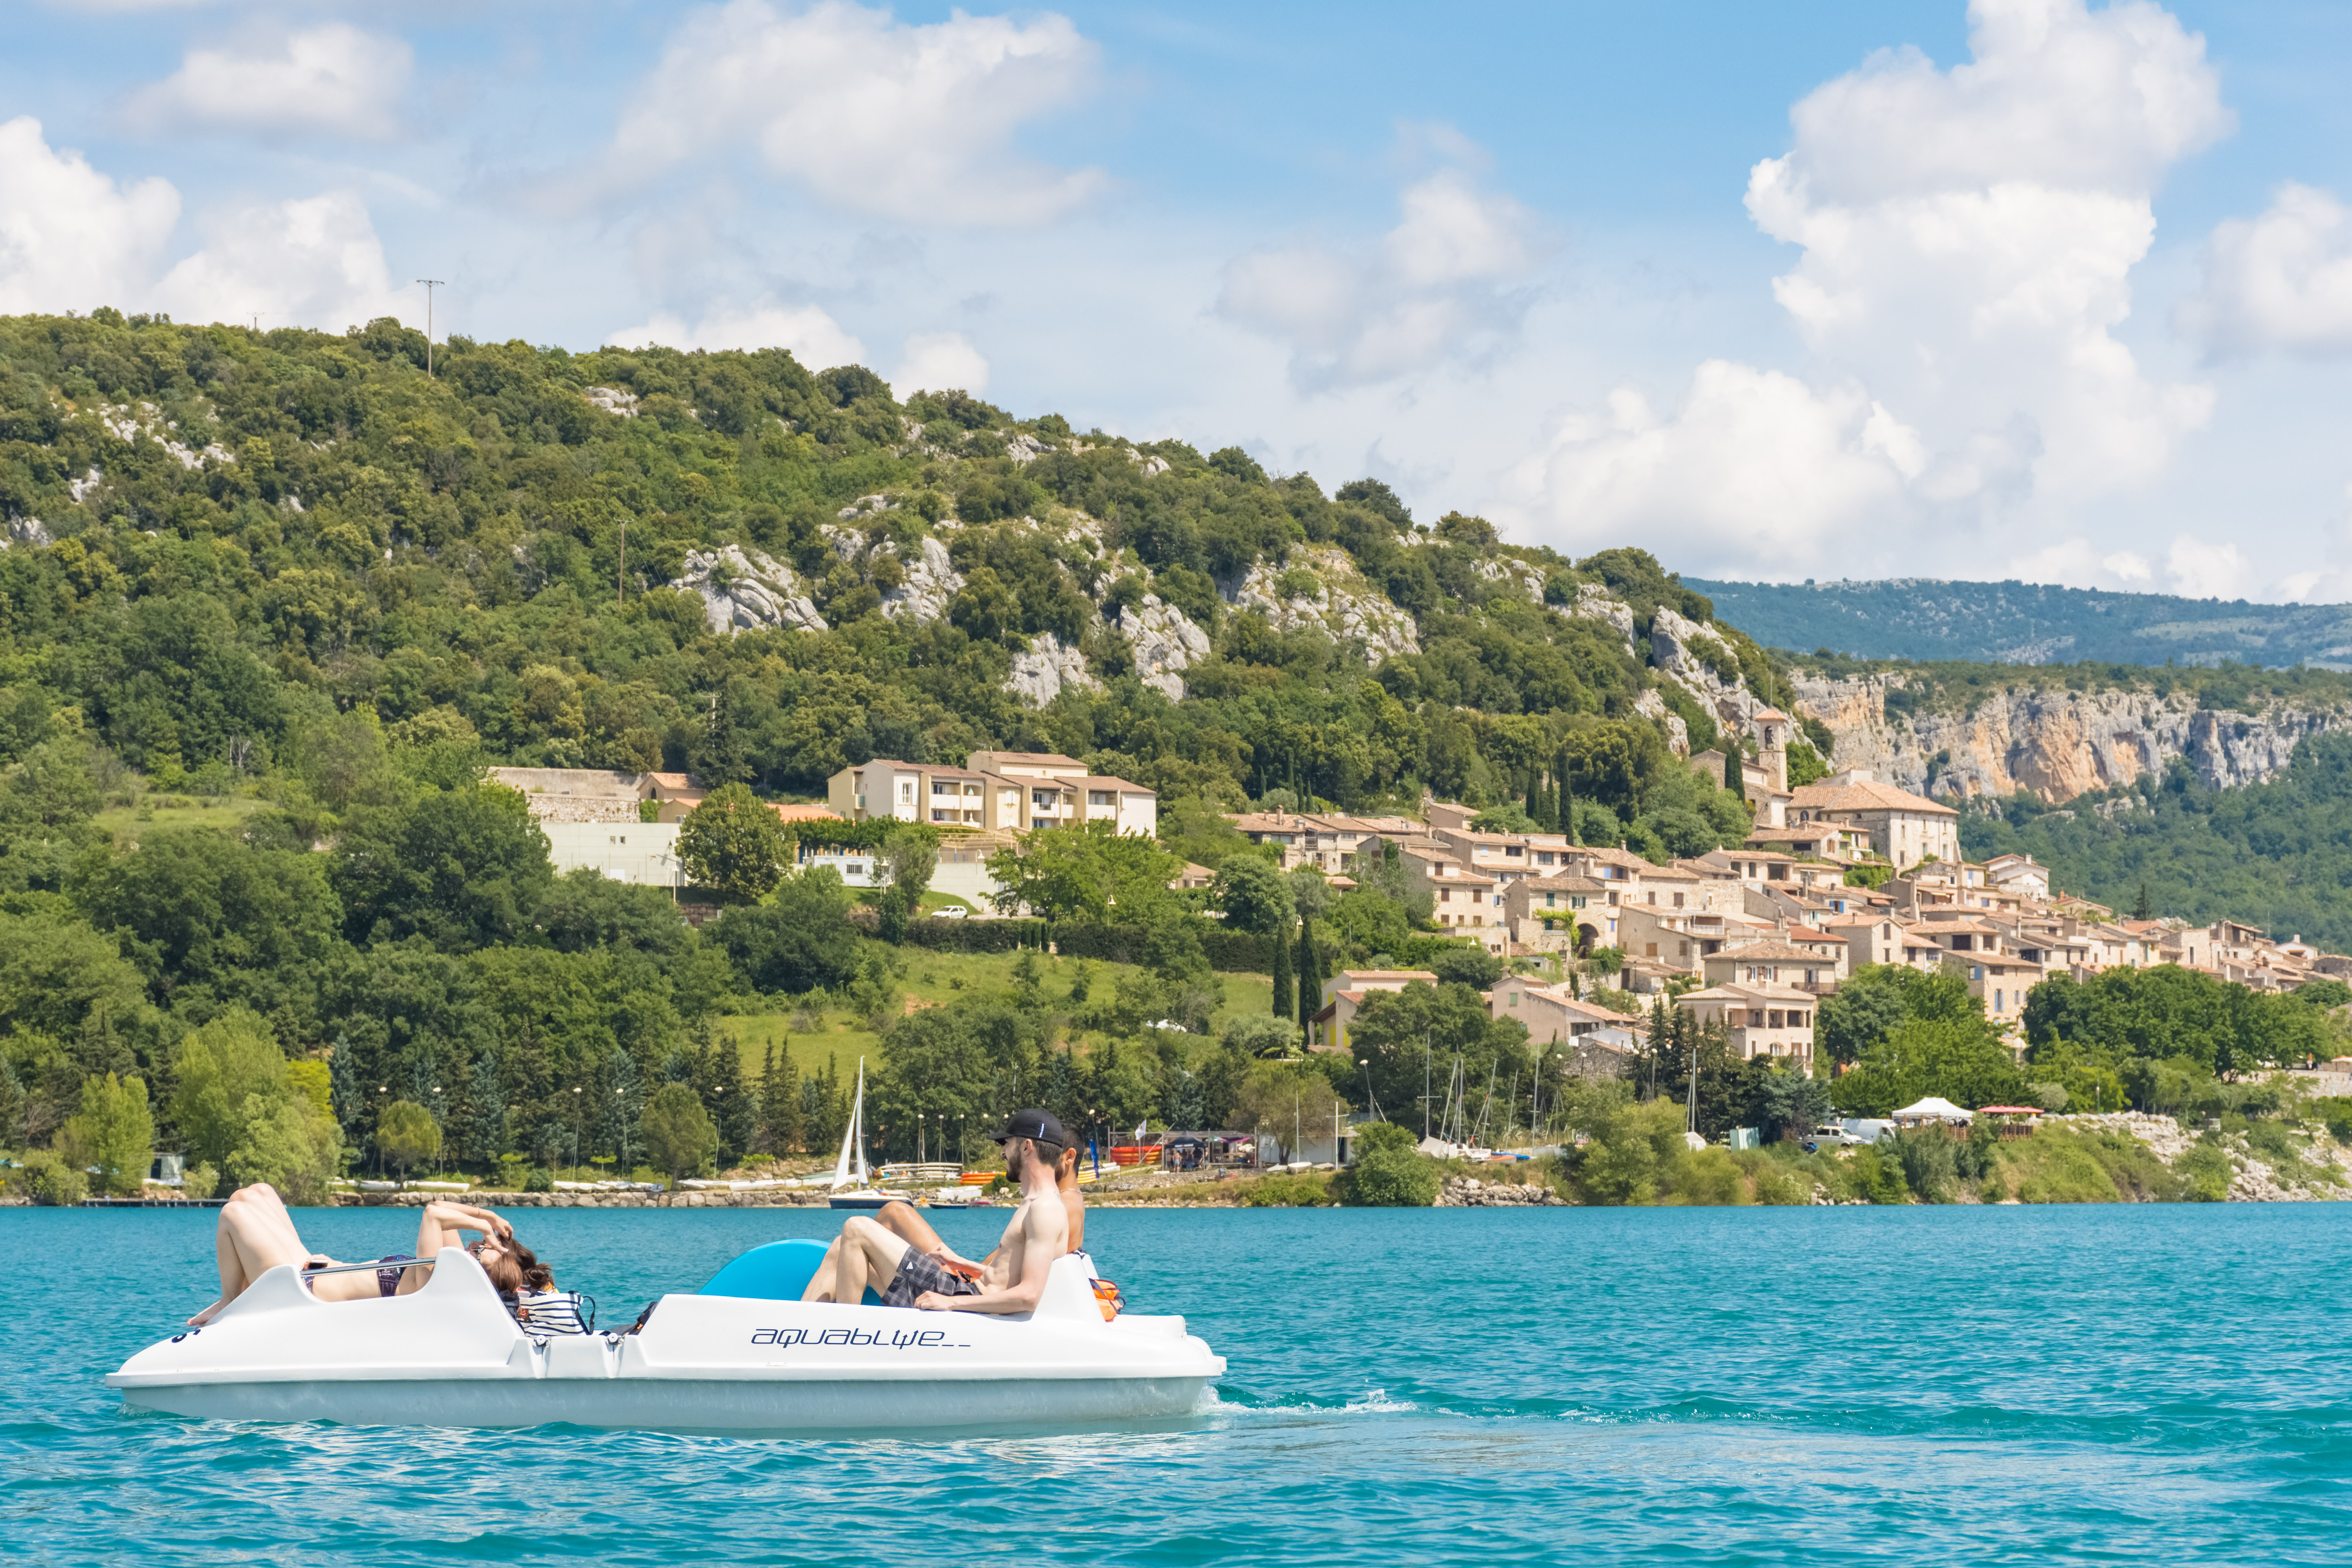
1041, 1126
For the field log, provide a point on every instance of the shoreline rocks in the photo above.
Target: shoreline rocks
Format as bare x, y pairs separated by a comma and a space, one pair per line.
1470, 1192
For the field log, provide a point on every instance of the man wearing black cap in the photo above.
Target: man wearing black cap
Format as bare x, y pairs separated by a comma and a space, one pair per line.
1013, 1278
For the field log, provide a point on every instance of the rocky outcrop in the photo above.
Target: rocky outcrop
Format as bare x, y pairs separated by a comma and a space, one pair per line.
1046, 668
1344, 606
2321, 1177
1696, 658
129, 421
1470, 1192
1595, 603
1652, 707
931, 581
614, 400
1165, 641
2054, 743
748, 591
1515, 577
29, 532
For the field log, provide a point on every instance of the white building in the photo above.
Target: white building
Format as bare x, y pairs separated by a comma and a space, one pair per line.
644, 853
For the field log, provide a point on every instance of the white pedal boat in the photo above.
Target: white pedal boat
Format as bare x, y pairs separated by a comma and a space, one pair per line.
745, 1355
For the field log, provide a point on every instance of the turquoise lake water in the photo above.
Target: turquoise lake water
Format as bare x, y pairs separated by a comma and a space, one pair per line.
2095, 1385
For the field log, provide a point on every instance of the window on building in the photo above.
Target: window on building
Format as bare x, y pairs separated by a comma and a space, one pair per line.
1101, 797
1678, 901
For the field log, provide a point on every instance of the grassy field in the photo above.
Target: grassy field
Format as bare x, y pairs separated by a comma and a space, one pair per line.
841, 1037
159, 812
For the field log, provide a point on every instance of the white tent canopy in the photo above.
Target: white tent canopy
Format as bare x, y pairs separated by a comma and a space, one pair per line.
1933, 1109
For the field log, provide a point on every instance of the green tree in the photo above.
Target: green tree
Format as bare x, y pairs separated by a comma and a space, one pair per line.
2167, 1011
799, 941
911, 855
54, 973
1254, 896
1878, 997
221, 1071
113, 1131
734, 843
1952, 1058
1389, 1171
287, 1143
248, 923
407, 1136
1091, 871
678, 1133
1283, 1003
733, 1111
464, 868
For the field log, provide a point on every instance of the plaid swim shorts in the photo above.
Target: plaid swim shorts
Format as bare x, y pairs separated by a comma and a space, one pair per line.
918, 1272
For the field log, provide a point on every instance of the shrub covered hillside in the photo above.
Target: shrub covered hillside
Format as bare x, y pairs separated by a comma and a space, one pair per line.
303, 591
254, 534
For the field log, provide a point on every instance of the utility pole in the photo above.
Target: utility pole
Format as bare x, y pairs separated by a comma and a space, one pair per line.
430, 284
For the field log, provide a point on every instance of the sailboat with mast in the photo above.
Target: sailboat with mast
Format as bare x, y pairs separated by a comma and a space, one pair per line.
862, 1195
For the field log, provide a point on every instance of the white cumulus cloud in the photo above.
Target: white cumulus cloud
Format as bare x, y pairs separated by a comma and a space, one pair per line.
1755, 470
805, 332
2283, 281
938, 361
1442, 284
313, 262
1968, 240
70, 238
909, 122
332, 80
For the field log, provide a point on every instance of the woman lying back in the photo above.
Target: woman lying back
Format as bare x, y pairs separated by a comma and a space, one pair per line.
256, 1235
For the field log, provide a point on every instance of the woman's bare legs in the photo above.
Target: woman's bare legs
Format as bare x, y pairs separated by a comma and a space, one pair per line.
256, 1235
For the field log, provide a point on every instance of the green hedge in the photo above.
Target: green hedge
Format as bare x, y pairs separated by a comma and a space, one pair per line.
1229, 952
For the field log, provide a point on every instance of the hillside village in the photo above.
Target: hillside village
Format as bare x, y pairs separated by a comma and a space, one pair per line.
1839, 873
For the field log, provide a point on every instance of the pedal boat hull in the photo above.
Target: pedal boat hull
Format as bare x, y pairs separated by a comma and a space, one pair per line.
450, 1355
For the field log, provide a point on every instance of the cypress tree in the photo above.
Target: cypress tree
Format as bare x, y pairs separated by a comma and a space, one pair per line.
1568, 813
1535, 795
1310, 979
731, 1106
1733, 779
1282, 1000
2143, 910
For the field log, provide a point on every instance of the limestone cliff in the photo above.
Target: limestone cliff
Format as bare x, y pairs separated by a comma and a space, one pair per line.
2050, 741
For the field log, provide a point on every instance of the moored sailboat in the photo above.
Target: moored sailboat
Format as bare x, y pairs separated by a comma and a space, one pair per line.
863, 1195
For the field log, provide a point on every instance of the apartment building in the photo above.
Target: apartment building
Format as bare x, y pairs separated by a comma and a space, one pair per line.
1553, 1013
1003, 791
1461, 899
1759, 1020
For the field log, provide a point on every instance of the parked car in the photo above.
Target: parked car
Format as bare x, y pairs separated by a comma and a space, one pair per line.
951, 912
1831, 1135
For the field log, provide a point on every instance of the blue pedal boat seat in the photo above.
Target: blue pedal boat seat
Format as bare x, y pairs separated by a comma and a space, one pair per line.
777, 1271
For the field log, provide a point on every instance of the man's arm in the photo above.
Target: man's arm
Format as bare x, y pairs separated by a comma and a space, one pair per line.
1044, 1236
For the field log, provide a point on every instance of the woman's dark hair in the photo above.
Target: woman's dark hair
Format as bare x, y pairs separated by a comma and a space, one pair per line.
535, 1276
513, 1267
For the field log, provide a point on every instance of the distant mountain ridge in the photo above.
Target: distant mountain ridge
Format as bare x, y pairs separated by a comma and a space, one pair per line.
2030, 623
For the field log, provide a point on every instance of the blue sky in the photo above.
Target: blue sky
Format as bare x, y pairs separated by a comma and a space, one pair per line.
2031, 287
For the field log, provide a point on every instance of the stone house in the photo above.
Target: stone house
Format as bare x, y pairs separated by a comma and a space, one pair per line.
1904, 828
1759, 1020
